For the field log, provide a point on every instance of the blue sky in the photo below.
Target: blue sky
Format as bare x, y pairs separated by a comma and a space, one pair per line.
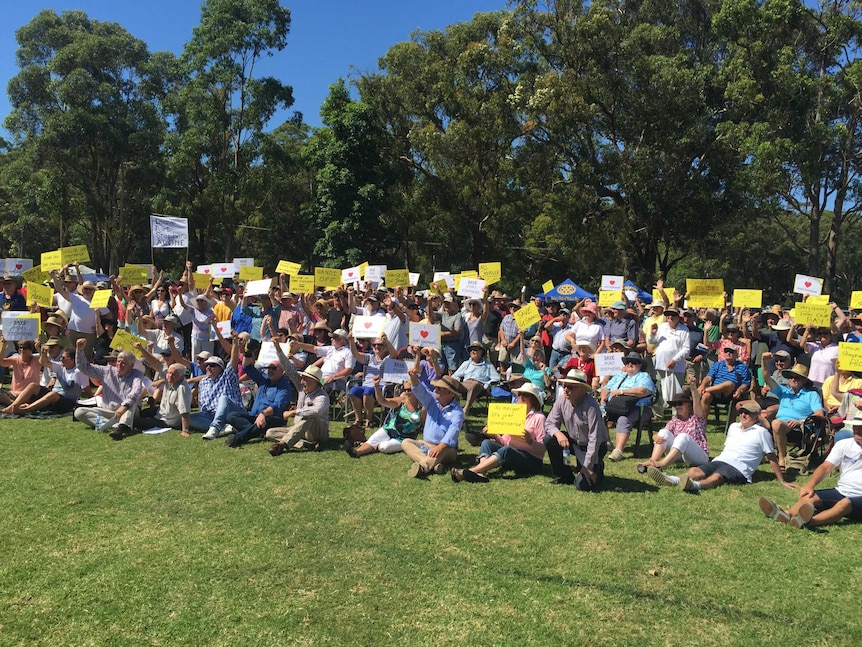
328, 38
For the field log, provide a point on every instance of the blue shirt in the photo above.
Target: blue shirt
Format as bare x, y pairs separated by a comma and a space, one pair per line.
240, 321
209, 391
442, 424
632, 382
269, 394
739, 374
796, 406
483, 372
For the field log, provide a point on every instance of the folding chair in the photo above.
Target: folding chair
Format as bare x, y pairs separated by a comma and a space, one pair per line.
808, 454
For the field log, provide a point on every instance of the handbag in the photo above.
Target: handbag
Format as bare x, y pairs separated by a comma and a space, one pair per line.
620, 405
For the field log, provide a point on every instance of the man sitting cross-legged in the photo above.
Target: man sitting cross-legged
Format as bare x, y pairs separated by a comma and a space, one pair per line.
444, 417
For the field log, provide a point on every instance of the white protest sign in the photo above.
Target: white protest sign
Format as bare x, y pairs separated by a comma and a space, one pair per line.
414, 278
223, 270
424, 335
242, 262
17, 266
20, 326
205, 269
375, 273
169, 232
631, 294
395, 371
810, 285
267, 354
471, 288
253, 288
608, 364
365, 327
439, 275
350, 275
612, 283
224, 328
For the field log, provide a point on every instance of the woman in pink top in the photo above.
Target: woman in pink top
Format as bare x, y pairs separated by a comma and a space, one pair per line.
684, 437
25, 371
523, 454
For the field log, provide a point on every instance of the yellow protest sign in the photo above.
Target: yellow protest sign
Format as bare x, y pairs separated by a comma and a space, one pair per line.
609, 297
849, 356
43, 296
547, 286
287, 267
124, 340
74, 254
507, 418
457, 282
815, 314
250, 273
855, 300
748, 298
656, 296
35, 275
439, 287
327, 277
470, 274
100, 299
491, 272
822, 299
51, 260
705, 293
131, 274
397, 277
527, 316
302, 283
362, 268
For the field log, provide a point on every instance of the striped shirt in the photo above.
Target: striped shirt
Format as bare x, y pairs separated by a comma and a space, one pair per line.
227, 384
117, 391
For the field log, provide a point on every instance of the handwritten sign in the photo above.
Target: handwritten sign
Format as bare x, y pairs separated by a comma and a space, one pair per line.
810, 285
17, 266
397, 277
611, 282
471, 288
327, 277
748, 298
547, 286
395, 371
202, 280
287, 267
365, 327
504, 418
35, 275
224, 328
822, 299
527, 316
414, 278
267, 354
705, 293
100, 299
608, 364
813, 313
20, 326
856, 300
424, 335
302, 283
656, 296
43, 296
124, 340
351, 274
131, 274
223, 270
609, 297
375, 273
250, 273
849, 356
74, 254
440, 287
51, 260
243, 262
491, 272
254, 288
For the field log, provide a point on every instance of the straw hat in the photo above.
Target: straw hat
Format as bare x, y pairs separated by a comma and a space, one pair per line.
531, 389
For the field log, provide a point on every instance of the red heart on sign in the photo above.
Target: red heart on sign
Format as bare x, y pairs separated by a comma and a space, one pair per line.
207, 271
18, 266
807, 284
423, 334
350, 274
368, 324
224, 269
612, 281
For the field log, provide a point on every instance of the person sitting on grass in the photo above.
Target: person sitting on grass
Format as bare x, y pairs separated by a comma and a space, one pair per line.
444, 419
310, 429
586, 435
522, 454
61, 394
634, 382
745, 447
26, 370
175, 404
406, 420
682, 439
829, 506
795, 404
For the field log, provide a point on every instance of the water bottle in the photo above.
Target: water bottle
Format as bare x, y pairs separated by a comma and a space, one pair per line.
567, 460
99, 421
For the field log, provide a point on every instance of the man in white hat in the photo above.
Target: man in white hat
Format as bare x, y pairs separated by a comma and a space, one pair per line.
826, 507
585, 436
444, 418
336, 360
310, 427
795, 403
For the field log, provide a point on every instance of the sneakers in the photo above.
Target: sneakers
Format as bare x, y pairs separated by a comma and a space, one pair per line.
660, 478
211, 434
116, 433
416, 471
771, 510
616, 455
803, 516
457, 475
686, 484
277, 450
231, 441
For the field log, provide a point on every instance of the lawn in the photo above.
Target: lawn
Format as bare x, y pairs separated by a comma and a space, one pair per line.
164, 540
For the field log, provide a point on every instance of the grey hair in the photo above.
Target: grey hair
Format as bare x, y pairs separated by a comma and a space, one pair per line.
127, 355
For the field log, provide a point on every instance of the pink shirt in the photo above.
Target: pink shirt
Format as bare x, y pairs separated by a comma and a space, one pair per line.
695, 428
24, 374
534, 427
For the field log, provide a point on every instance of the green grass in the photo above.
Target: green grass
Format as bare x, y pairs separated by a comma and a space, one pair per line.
163, 540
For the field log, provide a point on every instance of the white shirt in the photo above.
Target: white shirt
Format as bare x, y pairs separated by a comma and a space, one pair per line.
847, 456
671, 344
83, 317
396, 331
744, 449
335, 359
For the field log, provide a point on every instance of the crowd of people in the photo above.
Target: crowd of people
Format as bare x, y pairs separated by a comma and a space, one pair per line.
212, 359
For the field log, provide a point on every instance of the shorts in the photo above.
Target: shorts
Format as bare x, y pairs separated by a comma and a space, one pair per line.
832, 496
63, 405
361, 391
729, 473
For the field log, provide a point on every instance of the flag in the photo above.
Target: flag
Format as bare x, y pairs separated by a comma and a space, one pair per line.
169, 232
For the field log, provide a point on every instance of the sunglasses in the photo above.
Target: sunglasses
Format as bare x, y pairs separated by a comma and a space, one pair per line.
272, 368
744, 412
378, 345
729, 350
406, 390
780, 359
